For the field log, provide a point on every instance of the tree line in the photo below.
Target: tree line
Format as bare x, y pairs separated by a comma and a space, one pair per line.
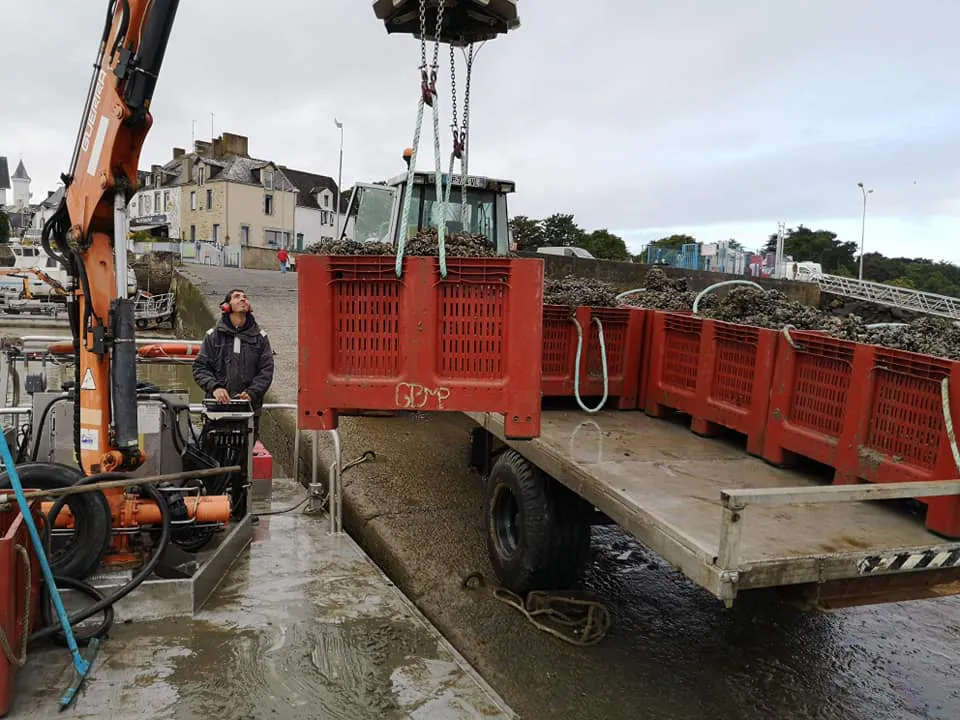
561, 230
835, 256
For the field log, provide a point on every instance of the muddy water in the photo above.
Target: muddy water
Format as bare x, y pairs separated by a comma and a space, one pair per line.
766, 659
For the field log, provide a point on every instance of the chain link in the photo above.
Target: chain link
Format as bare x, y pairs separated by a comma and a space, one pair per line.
453, 95
423, 34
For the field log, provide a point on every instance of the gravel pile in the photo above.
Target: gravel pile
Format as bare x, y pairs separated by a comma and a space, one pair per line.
574, 291
424, 244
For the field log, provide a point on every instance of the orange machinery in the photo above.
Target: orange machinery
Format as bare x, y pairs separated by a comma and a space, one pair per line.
88, 236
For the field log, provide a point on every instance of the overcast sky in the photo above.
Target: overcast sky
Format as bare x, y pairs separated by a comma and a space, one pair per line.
647, 117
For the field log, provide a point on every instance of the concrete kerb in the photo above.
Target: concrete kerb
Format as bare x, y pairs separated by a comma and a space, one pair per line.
195, 315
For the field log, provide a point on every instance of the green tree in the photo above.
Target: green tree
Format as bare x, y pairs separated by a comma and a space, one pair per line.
4, 227
560, 229
605, 245
821, 246
674, 242
527, 233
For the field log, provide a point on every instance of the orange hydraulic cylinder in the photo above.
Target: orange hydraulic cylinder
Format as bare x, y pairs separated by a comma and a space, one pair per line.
133, 512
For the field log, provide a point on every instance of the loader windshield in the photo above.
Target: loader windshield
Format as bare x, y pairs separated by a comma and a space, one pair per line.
479, 219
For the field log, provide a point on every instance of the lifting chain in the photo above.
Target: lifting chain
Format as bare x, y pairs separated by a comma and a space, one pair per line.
460, 132
428, 94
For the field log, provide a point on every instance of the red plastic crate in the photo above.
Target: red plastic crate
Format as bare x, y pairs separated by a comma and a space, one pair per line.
818, 391
371, 341
901, 435
623, 334
15, 597
719, 373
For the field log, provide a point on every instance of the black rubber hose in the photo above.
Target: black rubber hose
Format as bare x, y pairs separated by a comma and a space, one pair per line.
49, 618
145, 571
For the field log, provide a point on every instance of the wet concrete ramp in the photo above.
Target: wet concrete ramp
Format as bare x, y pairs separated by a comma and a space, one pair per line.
304, 626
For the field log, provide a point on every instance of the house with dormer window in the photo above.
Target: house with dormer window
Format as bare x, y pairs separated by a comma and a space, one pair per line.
219, 194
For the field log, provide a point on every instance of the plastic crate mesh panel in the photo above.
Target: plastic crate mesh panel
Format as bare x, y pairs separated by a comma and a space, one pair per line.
473, 327
614, 338
906, 413
736, 361
558, 333
822, 380
366, 328
681, 352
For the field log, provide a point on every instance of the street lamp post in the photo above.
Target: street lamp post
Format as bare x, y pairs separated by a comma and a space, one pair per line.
863, 222
339, 174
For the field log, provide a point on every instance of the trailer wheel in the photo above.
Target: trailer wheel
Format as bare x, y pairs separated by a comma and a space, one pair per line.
537, 534
80, 554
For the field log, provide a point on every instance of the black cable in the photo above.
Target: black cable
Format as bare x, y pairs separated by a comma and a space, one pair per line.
38, 430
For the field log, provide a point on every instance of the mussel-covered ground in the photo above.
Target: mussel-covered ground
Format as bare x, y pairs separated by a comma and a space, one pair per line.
768, 309
426, 243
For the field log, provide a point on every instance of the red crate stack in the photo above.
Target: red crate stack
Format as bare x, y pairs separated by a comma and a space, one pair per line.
901, 433
623, 333
18, 600
719, 373
372, 341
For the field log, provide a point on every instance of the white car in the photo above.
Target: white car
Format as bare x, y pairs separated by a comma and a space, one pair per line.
567, 251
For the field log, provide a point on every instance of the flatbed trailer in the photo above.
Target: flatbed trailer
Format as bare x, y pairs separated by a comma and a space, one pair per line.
729, 521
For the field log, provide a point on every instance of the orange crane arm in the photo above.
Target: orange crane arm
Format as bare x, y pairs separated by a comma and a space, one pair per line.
88, 233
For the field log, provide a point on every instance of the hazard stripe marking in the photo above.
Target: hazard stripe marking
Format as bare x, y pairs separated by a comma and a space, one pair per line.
927, 560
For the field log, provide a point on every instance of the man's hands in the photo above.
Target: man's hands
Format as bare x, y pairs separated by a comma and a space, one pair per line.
222, 396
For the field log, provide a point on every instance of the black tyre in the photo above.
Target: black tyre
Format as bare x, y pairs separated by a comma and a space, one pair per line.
537, 534
76, 556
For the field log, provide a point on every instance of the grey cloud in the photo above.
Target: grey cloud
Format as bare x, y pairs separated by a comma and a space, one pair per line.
626, 114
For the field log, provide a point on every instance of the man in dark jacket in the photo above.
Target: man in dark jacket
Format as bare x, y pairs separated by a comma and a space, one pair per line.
235, 359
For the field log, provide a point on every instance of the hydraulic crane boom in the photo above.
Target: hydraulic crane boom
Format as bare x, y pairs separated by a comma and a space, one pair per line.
88, 233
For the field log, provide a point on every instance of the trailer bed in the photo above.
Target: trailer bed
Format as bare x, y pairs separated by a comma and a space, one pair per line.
664, 485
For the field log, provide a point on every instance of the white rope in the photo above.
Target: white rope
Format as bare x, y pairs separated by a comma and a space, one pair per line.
603, 361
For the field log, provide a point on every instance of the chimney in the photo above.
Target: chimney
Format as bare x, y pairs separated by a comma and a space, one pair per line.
178, 152
218, 148
201, 147
234, 144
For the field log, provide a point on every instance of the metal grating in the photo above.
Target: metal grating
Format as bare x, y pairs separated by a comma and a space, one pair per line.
472, 329
366, 328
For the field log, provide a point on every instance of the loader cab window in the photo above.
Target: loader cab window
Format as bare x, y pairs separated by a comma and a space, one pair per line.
480, 216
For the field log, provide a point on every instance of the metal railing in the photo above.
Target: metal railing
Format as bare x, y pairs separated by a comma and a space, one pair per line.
735, 503
890, 295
